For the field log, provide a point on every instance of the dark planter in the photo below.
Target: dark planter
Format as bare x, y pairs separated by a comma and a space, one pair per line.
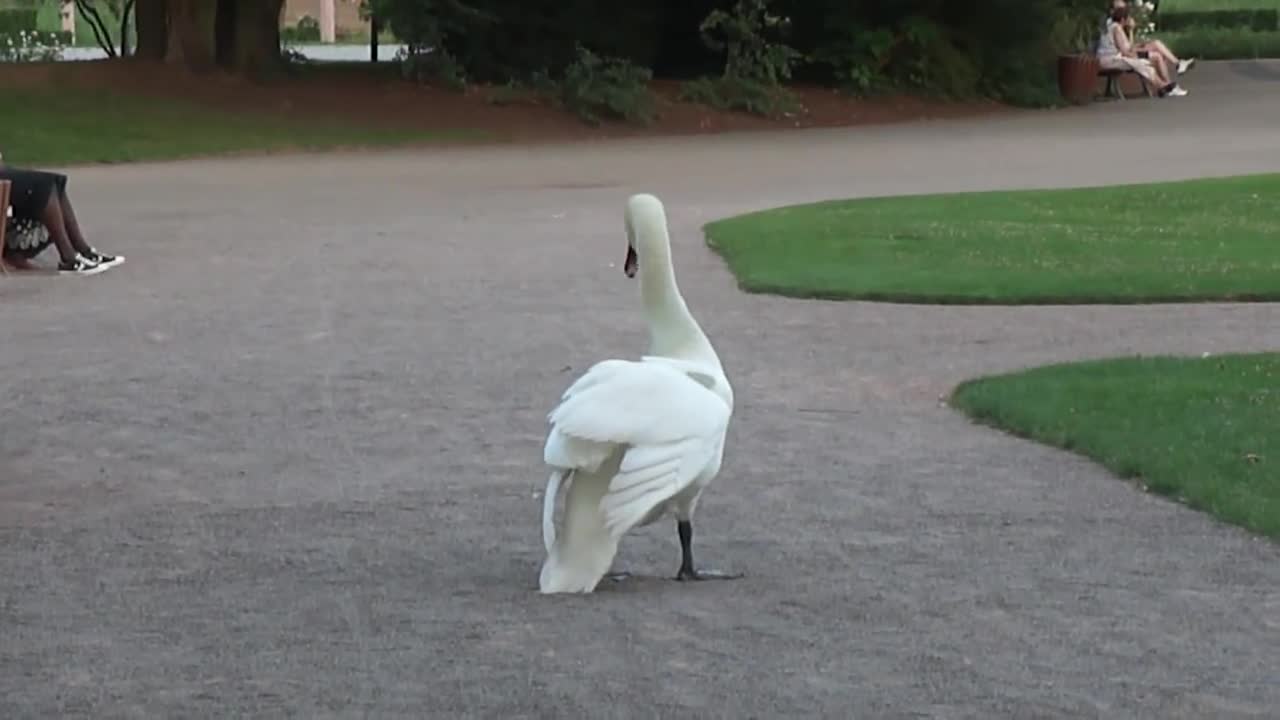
1078, 77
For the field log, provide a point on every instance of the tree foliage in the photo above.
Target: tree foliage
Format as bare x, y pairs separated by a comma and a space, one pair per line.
998, 48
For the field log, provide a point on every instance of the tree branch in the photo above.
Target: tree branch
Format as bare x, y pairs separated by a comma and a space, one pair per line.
124, 27
100, 32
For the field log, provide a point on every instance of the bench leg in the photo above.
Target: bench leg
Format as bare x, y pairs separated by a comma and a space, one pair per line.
1113, 87
5, 187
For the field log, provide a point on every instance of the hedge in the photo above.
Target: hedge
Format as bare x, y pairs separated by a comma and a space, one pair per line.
17, 20
1260, 20
1220, 44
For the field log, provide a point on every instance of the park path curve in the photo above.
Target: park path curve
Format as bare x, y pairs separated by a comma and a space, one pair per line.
286, 461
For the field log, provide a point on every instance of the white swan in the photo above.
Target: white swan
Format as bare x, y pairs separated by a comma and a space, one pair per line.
634, 440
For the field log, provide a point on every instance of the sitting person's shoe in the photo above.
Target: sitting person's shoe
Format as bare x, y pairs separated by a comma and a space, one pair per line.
106, 261
80, 266
1177, 91
1185, 65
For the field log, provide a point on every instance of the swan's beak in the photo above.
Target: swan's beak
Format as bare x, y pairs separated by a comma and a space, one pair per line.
632, 262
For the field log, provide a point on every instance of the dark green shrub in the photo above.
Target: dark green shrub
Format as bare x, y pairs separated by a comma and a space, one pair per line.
507, 39
732, 93
755, 65
306, 31
595, 86
434, 67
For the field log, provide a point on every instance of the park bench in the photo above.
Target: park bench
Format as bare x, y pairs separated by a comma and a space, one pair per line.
1113, 82
4, 219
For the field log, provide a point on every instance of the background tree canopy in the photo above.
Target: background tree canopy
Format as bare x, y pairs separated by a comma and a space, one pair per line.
999, 48
996, 48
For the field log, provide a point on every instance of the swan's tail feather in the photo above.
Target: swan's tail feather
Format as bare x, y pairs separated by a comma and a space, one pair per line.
549, 507
581, 553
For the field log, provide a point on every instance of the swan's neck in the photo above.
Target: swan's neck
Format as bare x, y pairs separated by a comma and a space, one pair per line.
672, 330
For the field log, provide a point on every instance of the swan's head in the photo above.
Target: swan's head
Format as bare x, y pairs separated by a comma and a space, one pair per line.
644, 219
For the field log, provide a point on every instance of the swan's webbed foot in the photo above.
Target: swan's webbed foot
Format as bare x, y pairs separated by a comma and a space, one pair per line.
687, 571
691, 574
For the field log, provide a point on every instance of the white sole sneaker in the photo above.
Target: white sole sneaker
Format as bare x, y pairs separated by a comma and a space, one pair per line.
1185, 65
114, 261
81, 266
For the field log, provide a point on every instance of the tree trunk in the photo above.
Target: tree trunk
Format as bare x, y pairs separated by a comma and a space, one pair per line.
254, 45
151, 26
192, 33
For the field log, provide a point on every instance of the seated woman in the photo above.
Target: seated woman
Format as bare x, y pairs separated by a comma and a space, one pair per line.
1116, 52
1157, 47
41, 197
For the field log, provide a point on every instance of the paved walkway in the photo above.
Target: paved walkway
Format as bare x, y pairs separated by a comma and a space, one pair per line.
287, 460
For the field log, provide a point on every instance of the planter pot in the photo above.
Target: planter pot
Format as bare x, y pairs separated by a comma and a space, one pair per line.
1078, 77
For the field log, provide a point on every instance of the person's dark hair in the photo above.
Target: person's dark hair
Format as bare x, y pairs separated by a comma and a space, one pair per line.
1119, 14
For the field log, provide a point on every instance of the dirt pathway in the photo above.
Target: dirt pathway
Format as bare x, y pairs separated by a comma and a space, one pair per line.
286, 461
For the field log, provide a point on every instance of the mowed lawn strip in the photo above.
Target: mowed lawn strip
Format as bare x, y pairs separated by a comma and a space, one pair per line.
66, 126
1201, 240
1205, 431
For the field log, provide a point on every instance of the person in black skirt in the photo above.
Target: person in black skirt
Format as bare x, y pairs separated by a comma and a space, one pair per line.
39, 198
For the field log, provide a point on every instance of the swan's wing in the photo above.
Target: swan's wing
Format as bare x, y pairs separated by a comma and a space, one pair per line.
670, 423
641, 403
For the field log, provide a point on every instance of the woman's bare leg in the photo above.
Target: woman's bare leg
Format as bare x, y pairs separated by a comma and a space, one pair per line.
1162, 71
1157, 47
72, 225
53, 220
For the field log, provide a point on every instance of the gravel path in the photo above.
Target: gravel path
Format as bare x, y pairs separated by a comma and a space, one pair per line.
286, 461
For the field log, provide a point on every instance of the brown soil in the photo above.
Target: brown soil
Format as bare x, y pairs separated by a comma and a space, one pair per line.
379, 97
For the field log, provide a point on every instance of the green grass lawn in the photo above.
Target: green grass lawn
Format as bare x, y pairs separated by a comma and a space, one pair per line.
62, 127
1205, 431
1213, 239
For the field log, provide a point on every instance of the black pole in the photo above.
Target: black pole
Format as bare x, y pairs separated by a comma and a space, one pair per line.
373, 38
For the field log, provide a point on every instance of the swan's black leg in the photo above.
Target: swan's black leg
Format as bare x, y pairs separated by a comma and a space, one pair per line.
687, 571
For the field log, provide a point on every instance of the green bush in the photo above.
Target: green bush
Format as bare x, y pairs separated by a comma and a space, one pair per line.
1220, 44
755, 65
595, 86
306, 31
1260, 20
435, 67
996, 48
748, 96
500, 40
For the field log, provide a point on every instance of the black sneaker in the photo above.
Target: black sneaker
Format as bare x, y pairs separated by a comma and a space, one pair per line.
106, 261
80, 266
